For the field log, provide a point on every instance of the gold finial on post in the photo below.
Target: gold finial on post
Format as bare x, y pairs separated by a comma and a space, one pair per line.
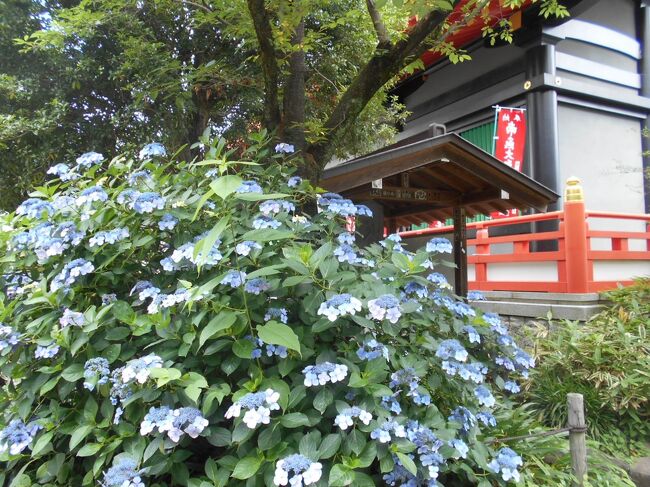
573, 191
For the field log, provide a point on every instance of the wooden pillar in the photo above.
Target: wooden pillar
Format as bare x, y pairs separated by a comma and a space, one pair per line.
460, 251
575, 238
577, 437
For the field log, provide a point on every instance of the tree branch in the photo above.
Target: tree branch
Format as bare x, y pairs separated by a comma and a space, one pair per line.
262, 24
378, 24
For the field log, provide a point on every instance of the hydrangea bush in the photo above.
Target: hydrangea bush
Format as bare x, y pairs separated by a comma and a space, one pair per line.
171, 323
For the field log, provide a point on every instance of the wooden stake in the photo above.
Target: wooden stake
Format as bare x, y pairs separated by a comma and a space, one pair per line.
577, 437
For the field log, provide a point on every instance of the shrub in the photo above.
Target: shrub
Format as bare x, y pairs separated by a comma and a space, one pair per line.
175, 323
607, 360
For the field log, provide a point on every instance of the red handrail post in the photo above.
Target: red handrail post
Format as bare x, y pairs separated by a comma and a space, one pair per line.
575, 238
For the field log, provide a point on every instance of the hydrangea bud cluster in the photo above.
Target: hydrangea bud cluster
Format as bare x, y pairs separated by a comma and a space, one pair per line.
339, 305
108, 237
321, 374
155, 149
506, 463
385, 307
96, 372
276, 313
35, 208
246, 247
257, 285
250, 187
262, 222
273, 207
345, 418
46, 351
174, 422
372, 349
8, 337
17, 436
297, 470
407, 378
167, 222
258, 406
439, 245
72, 318
124, 473
70, 273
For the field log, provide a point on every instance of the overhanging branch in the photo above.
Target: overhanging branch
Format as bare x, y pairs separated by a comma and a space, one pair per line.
378, 24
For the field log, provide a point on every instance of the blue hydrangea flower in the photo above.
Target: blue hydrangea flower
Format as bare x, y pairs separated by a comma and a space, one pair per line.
304, 471
345, 238
273, 207
451, 349
250, 187
475, 296
16, 284
427, 444
392, 241
408, 378
391, 403
346, 253
140, 177
152, 150
148, 203
345, 418
506, 463
372, 349
383, 433
167, 222
257, 285
89, 159
463, 416
127, 197
108, 237
35, 208
494, 320
415, 288
90, 195
124, 473
263, 221
174, 422
335, 204
363, 210
438, 279
70, 273
440, 245
339, 305
168, 300
473, 335
511, 386
184, 256
460, 309
385, 307
258, 406
505, 362
109, 298
284, 148
460, 446
8, 337
246, 247
72, 318
64, 204
484, 396
487, 418
96, 372
234, 278
63, 172
321, 374
276, 313
294, 181
47, 351
17, 436
145, 290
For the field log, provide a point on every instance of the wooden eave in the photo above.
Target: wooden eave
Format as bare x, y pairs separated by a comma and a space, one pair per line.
425, 180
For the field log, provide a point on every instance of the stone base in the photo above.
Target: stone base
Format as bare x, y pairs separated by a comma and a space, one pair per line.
556, 306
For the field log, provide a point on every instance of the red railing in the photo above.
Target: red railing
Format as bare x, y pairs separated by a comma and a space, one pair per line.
571, 258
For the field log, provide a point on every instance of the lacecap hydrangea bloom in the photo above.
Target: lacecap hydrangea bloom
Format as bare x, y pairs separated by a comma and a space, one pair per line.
258, 406
155, 149
439, 245
345, 418
339, 305
385, 307
124, 473
321, 374
297, 470
174, 422
17, 436
506, 463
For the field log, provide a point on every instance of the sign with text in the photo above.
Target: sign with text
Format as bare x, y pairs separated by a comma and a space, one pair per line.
509, 143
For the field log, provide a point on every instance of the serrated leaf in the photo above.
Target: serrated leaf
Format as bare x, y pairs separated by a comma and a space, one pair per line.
246, 468
225, 185
79, 434
329, 446
407, 463
279, 334
340, 475
294, 420
323, 399
223, 320
89, 449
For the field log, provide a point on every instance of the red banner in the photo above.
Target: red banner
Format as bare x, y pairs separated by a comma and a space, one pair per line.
509, 143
